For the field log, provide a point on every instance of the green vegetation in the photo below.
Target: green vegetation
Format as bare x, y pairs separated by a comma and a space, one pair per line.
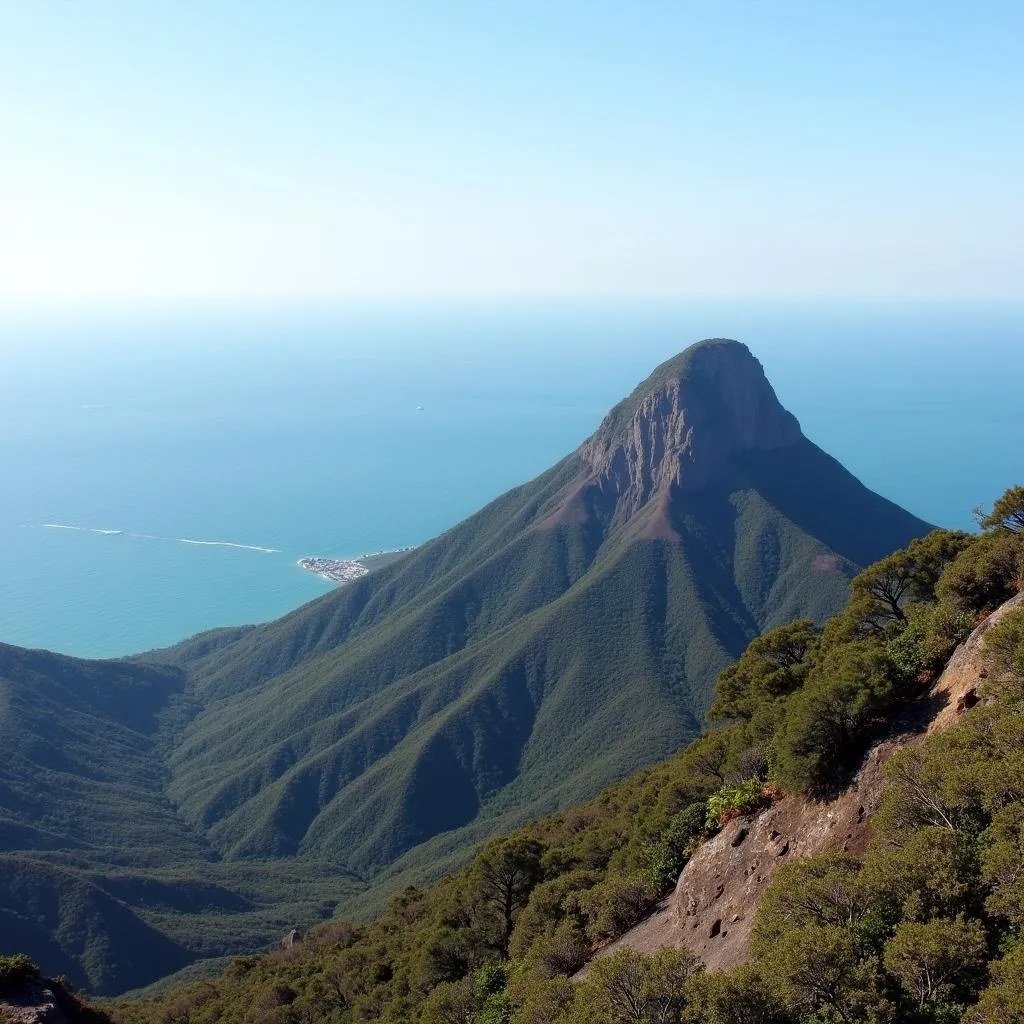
199, 802
926, 927
15, 972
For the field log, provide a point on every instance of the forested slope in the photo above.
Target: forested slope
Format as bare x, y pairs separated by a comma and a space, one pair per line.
568, 633
923, 925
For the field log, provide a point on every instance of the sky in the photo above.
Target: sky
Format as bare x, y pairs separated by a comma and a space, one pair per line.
181, 150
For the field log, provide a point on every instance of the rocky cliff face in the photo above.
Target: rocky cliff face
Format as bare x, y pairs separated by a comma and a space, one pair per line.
681, 428
716, 898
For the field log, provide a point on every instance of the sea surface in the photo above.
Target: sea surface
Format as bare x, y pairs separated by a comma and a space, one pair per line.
161, 471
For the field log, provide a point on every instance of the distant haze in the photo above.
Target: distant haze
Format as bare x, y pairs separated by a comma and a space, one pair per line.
238, 151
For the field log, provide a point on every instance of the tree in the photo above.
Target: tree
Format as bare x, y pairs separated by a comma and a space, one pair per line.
929, 959
1007, 514
932, 873
1004, 863
630, 988
1003, 1001
742, 996
879, 595
828, 721
985, 574
505, 874
819, 971
773, 665
539, 1000
615, 905
824, 891
1004, 645
452, 1002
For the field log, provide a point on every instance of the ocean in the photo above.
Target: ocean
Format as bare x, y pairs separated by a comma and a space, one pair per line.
162, 471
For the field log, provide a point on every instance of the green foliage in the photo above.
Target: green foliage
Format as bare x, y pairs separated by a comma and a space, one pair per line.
742, 996
849, 693
667, 855
984, 575
15, 972
932, 959
1003, 1001
879, 596
1004, 646
505, 874
930, 634
630, 987
774, 665
1007, 514
904, 934
731, 801
615, 905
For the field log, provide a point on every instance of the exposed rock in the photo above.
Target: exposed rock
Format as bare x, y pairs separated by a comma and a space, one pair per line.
36, 1004
292, 939
678, 430
726, 877
965, 673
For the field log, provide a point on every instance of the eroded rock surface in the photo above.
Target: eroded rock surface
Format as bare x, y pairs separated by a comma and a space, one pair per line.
712, 909
37, 1004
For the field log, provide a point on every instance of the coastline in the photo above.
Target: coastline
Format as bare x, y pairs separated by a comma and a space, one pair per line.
346, 570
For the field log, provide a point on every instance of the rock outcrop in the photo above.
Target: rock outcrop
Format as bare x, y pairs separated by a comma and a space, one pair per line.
37, 1003
716, 898
680, 429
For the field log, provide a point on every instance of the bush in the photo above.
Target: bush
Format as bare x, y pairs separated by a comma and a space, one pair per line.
15, 972
615, 905
1004, 645
931, 633
985, 574
832, 719
732, 801
667, 856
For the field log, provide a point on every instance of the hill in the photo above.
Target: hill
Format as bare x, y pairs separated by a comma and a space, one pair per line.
567, 634
846, 843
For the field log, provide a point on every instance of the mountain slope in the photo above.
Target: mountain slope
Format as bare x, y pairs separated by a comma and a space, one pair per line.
565, 635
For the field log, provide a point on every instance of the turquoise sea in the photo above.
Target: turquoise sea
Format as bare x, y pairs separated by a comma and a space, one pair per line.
128, 437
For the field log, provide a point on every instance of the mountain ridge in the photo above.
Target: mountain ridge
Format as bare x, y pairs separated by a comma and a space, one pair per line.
516, 664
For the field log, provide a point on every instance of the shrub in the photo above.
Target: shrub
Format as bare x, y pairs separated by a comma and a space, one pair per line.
615, 905
15, 972
830, 721
985, 574
1004, 644
667, 856
931, 633
731, 801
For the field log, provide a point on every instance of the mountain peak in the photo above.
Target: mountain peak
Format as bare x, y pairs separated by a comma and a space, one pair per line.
684, 423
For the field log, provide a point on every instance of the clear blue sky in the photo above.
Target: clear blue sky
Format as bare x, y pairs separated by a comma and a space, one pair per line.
179, 149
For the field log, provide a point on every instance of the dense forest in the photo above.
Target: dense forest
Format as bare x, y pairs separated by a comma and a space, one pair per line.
925, 927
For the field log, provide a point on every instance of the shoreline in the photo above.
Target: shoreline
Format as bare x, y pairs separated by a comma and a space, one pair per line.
346, 570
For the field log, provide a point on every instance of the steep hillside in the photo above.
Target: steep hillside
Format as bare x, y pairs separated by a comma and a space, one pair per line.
713, 906
565, 635
848, 841
100, 878
570, 632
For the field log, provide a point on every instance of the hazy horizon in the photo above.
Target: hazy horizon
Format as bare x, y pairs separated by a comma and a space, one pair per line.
182, 153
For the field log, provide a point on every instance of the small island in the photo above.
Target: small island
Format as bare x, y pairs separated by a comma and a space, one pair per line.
345, 570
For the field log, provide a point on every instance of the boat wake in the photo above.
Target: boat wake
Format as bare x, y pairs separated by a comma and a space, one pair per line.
229, 544
83, 529
151, 536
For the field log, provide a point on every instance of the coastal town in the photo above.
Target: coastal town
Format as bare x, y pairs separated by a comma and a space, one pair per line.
345, 570
334, 569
